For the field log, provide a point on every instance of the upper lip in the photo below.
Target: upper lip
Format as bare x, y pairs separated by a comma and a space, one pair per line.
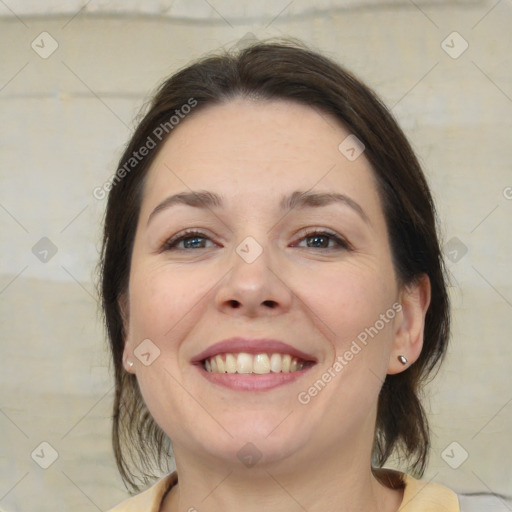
251, 346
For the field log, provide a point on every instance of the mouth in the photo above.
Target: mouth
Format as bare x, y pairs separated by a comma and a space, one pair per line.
252, 365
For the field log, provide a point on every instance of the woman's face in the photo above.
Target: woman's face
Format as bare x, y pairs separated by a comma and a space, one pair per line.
256, 270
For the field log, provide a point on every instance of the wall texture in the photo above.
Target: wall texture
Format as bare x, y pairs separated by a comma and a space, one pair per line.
72, 79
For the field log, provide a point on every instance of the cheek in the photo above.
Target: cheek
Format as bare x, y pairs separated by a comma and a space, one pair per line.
159, 299
161, 310
349, 302
357, 306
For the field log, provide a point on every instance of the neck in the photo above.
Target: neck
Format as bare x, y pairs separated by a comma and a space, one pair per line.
341, 484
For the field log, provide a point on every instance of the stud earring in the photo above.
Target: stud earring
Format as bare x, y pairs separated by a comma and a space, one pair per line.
402, 359
130, 364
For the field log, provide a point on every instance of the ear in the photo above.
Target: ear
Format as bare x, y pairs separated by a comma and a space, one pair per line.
410, 324
128, 356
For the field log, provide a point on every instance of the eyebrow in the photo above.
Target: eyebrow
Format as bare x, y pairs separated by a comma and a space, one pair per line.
297, 199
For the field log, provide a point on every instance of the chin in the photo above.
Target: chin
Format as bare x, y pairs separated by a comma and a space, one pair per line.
261, 443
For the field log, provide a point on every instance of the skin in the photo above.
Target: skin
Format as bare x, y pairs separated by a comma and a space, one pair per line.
314, 298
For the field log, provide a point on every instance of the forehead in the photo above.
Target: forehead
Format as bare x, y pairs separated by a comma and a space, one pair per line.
258, 149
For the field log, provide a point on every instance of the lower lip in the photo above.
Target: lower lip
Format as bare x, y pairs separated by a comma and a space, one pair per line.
252, 381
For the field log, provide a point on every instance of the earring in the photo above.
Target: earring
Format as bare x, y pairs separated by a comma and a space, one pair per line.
130, 364
402, 359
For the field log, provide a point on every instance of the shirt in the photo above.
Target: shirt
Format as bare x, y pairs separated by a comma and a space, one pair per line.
419, 496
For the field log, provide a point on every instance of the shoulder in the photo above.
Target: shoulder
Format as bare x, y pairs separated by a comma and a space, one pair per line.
148, 500
418, 495
428, 496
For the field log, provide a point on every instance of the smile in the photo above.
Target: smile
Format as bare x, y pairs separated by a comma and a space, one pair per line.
259, 364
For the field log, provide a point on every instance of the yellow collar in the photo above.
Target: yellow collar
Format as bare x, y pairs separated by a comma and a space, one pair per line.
419, 496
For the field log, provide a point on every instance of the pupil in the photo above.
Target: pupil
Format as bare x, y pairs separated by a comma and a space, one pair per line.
190, 242
317, 238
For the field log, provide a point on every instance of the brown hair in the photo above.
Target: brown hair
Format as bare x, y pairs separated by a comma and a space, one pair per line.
282, 70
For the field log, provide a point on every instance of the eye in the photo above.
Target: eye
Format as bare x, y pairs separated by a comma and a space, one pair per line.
191, 239
320, 239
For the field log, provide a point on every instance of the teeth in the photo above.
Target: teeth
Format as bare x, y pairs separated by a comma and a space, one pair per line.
243, 363
220, 364
276, 363
260, 364
230, 365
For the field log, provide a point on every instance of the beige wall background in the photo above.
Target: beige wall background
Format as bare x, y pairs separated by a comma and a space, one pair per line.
74, 74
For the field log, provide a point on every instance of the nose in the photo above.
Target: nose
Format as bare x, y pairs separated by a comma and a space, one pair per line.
254, 286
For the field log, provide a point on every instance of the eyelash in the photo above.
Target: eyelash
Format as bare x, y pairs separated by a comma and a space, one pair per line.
170, 245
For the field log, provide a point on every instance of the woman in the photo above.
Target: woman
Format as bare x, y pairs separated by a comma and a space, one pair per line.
274, 293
